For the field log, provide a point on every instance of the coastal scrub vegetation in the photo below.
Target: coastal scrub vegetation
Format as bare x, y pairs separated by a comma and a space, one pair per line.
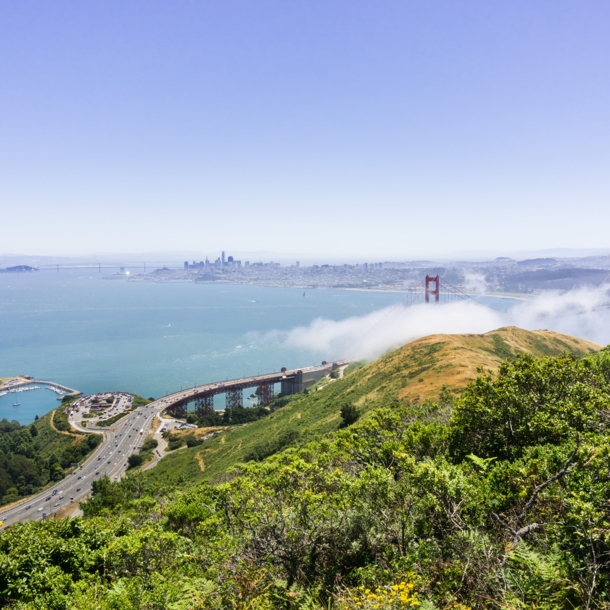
497, 498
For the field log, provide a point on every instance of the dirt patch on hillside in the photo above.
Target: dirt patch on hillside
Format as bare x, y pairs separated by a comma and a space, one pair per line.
197, 432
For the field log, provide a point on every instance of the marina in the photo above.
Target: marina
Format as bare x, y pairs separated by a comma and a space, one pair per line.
31, 403
17, 390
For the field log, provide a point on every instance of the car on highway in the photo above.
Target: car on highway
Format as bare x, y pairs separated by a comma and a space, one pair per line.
28, 507
47, 499
78, 489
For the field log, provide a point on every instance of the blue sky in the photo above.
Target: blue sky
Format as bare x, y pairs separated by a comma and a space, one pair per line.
373, 129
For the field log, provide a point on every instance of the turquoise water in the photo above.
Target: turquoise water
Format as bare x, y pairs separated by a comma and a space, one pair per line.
94, 335
32, 403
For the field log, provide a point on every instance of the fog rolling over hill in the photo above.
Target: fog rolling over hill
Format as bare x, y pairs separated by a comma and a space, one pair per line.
581, 312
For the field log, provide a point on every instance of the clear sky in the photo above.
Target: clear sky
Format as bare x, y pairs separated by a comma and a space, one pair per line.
380, 128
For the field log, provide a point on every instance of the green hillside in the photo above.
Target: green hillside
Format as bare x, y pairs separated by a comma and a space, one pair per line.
498, 500
413, 373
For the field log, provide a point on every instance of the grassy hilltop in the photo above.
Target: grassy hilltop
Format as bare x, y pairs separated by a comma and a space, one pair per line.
414, 373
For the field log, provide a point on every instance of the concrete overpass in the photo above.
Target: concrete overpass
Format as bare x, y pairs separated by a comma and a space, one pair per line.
292, 382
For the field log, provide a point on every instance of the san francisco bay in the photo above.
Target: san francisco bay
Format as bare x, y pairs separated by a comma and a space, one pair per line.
95, 335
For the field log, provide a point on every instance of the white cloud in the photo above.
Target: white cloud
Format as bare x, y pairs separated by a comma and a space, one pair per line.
581, 313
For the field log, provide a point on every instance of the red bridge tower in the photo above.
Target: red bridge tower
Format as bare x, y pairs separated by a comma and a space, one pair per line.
433, 287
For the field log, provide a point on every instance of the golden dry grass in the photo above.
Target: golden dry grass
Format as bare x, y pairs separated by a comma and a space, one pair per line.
419, 370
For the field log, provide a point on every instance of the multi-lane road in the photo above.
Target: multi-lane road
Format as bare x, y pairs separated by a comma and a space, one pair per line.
110, 458
120, 441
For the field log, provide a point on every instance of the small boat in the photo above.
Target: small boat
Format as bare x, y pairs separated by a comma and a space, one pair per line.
15, 404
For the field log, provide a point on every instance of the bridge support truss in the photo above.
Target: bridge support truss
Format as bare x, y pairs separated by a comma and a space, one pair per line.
204, 405
265, 393
178, 410
234, 398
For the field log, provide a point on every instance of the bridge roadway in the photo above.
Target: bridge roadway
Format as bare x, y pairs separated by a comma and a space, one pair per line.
222, 387
121, 440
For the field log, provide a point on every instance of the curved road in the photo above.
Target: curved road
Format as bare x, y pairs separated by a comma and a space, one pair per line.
120, 440
110, 458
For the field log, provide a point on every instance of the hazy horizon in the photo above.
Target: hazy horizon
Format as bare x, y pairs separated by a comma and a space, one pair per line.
178, 257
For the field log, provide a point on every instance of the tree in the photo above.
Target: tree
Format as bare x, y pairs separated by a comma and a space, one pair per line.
349, 415
134, 460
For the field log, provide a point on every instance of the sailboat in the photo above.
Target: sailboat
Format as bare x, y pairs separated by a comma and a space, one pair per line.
15, 404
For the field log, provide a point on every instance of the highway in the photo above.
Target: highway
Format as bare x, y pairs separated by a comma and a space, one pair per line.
120, 441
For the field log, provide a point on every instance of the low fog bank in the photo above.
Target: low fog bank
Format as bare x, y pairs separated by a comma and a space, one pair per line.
583, 313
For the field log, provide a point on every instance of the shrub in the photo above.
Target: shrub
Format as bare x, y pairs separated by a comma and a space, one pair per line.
528, 402
134, 460
349, 415
263, 450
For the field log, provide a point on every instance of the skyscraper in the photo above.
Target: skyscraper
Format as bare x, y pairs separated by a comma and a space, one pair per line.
223, 258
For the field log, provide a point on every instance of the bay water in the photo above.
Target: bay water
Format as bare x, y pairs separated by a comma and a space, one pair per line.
92, 334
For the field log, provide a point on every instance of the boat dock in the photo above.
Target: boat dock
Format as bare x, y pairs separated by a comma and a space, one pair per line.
21, 384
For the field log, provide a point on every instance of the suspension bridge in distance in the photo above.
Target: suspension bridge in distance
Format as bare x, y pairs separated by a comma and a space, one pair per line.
435, 289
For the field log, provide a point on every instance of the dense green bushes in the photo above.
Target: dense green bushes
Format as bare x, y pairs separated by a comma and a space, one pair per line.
501, 502
60, 420
264, 450
529, 403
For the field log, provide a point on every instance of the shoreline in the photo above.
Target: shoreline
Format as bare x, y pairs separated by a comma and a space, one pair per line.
499, 295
